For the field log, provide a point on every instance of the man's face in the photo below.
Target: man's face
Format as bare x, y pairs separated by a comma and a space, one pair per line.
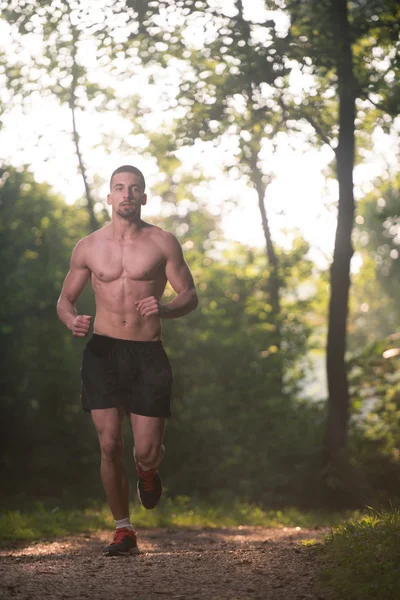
126, 196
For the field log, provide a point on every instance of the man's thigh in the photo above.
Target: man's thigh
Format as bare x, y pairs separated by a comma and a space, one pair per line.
148, 431
108, 422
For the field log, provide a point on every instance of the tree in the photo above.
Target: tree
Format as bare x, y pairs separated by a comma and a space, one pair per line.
332, 41
64, 30
39, 368
229, 91
228, 406
223, 394
336, 41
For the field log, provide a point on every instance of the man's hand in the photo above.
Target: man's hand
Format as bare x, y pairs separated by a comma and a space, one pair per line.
149, 306
81, 325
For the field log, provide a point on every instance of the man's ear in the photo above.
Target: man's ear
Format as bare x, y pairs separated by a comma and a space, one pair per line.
109, 199
144, 199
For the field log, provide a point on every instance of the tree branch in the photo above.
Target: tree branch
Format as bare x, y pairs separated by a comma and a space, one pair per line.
377, 105
319, 131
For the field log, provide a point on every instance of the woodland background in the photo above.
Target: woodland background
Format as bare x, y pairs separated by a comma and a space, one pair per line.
245, 422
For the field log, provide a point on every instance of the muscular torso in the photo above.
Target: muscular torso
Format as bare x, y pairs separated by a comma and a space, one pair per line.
122, 272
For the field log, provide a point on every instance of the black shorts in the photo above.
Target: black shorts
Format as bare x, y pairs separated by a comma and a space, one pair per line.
124, 373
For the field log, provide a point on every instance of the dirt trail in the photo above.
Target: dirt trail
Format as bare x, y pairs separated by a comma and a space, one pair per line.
246, 563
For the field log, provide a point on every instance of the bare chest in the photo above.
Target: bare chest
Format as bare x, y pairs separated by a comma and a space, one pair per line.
115, 261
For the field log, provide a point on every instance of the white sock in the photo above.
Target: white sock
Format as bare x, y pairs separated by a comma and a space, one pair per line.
144, 468
123, 523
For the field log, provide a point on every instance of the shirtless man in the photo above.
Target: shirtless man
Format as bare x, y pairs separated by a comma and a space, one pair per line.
125, 368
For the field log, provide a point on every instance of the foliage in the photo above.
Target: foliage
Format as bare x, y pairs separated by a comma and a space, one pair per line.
339, 53
237, 82
375, 288
236, 75
39, 363
182, 511
55, 39
360, 557
61, 31
234, 429
222, 355
224, 360
375, 440
379, 231
224, 97
316, 46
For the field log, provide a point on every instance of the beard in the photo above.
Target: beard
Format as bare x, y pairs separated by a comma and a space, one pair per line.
128, 211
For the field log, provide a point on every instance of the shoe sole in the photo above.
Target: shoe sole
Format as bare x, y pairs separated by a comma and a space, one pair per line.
131, 552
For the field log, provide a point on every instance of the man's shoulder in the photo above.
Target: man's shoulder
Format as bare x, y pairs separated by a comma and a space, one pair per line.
90, 240
157, 232
95, 236
161, 236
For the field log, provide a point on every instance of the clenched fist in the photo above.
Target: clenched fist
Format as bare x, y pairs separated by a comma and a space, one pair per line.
81, 325
149, 306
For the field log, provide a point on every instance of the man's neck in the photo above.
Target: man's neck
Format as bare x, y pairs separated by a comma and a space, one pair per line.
123, 229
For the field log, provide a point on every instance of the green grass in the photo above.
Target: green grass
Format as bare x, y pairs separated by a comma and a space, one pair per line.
40, 523
361, 557
46, 523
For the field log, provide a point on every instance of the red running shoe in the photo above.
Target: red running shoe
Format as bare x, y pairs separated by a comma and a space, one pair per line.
123, 544
149, 487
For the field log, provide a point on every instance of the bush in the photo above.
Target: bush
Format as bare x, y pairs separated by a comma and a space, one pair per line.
361, 557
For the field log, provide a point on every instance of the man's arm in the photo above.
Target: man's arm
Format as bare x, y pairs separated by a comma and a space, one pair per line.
181, 280
74, 283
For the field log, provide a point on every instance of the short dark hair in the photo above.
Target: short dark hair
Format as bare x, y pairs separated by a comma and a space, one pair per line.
129, 169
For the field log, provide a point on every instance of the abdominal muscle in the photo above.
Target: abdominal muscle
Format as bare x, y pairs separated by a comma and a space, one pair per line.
116, 313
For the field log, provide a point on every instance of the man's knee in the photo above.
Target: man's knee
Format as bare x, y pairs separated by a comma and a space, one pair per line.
111, 448
149, 454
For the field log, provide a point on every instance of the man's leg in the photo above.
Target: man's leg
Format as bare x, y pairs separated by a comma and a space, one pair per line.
148, 433
108, 423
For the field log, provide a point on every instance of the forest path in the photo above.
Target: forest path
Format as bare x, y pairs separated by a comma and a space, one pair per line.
246, 563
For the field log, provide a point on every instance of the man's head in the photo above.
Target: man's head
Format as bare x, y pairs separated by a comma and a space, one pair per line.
129, 169
127, 195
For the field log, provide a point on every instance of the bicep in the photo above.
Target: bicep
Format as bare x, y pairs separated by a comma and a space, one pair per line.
77, 276
74, 283
176, 268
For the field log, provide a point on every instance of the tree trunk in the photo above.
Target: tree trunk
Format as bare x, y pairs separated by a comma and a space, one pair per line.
93, 223
338, 401
90, 204
273, 285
